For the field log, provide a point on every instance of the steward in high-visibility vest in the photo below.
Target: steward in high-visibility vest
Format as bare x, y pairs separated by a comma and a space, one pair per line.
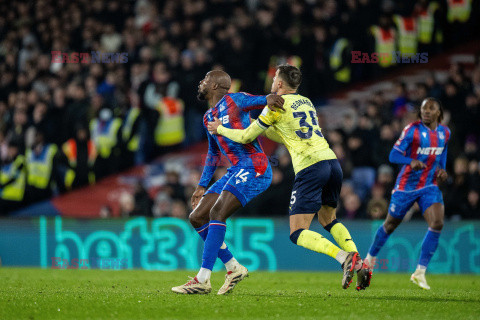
106, 134
131, 136
41, 171
428, 30
13, 177
80, 153
339, 62
459, 10
384, 44
170, 129
407, 34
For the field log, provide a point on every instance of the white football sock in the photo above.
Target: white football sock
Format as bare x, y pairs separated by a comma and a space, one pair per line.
370, 260
204, 275
421, 269
341, 256
232, 264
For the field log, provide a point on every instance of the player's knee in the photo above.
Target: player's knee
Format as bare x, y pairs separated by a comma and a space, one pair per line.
389, 227
294, 235
436, 224
194, 219
216, 213
198, 217
327, 216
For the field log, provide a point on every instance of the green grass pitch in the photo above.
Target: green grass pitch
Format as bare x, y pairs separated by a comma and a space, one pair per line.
137, 294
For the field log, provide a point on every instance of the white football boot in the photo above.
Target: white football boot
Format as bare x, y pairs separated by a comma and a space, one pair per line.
418, 277
232, 278
194, 287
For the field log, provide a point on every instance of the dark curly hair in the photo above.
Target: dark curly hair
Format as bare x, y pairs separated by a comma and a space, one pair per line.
440, 106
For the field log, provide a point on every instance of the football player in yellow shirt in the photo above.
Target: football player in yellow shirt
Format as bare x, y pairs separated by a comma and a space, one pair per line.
318, 175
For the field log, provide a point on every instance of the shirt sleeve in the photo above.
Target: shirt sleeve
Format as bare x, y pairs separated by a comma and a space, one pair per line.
268, 117
211, 162
272, 135
443, 158
397, 157
405, 140
242, 135
248, 102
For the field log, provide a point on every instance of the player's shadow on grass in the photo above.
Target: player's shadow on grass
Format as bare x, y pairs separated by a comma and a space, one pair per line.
359, 296
419, 299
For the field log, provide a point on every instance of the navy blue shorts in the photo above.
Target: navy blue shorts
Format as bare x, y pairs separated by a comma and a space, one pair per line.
402, 201
317, 185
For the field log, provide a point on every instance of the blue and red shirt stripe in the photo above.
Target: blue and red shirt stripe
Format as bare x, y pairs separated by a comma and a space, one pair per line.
429, 146
233, 111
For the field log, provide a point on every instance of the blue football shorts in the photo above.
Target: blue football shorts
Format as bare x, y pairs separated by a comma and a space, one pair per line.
402, 201
243, 182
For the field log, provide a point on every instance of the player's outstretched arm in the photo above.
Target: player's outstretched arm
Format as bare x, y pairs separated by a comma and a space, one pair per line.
272, 135
248, 102
238, 135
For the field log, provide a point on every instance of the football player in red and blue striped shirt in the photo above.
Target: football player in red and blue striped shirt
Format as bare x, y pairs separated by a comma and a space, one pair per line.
422, 150
249, 175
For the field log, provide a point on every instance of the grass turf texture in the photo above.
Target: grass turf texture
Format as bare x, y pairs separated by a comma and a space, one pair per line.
137, 294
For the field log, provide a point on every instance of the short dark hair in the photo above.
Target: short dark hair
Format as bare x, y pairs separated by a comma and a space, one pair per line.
440, 106
292, 75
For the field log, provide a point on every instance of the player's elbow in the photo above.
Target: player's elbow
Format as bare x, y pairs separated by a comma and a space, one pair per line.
391, 156
246, 139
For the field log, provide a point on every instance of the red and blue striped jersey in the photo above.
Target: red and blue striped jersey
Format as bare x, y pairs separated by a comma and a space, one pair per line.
429, 146
233, 111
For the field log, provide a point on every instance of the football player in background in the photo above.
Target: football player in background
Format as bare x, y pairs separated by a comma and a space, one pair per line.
422, 150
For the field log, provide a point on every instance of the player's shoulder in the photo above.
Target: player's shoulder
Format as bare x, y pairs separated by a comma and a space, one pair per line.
295, 97
412, 125
445, 129
238, 95
295, 100
235, 97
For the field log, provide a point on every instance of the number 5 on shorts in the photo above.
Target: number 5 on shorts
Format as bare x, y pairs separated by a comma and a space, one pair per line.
293, 198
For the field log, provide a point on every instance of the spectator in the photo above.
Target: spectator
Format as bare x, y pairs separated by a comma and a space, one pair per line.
142, 202
78, 157
377, 209
127, 204
171, 46
457, 187
174, 188
106, 134
352, 207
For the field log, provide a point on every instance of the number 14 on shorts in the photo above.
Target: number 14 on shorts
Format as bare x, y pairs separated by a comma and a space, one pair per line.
241, 176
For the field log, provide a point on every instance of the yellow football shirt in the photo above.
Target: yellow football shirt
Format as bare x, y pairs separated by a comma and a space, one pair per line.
298, 128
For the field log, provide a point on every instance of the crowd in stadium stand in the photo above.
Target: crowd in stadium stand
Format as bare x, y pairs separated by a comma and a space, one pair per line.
67, 125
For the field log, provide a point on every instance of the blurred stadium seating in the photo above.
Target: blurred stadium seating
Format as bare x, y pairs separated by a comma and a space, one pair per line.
145, 121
